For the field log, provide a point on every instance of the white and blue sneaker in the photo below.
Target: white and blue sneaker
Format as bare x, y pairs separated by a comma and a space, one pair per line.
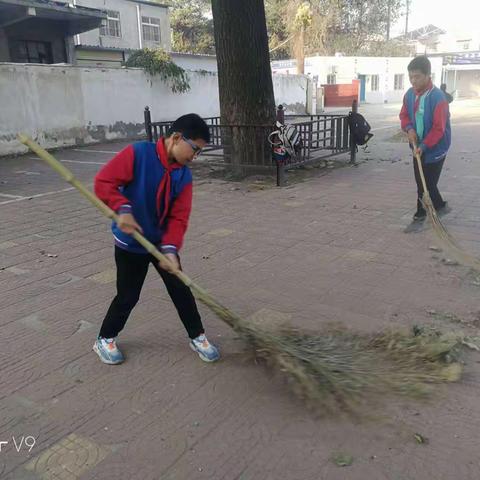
206, 351
107, 350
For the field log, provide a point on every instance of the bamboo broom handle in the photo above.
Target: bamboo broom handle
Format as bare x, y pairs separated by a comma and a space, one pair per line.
420, 168
225, 314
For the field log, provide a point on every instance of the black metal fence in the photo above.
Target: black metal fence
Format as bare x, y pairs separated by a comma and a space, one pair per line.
245, 148
155, 130
241, 147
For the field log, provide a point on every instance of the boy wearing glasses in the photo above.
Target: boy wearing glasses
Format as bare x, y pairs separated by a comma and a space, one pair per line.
150, 187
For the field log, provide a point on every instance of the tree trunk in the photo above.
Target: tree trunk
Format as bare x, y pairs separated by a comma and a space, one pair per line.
245, 80
300, 51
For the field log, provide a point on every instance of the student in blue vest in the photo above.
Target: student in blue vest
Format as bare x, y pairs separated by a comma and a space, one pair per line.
425, 117
149, 185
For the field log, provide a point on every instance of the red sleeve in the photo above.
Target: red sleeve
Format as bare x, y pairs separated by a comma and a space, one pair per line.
405, 120
116, 173
440, 116
177, 220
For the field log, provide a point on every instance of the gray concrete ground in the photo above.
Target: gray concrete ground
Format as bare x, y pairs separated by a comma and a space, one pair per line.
330, 248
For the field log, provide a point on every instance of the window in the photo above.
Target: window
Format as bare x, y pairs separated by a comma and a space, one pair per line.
331, 79
25, 51
398, 82
151, 29
375, 83
433, 78
463, 44
111, 27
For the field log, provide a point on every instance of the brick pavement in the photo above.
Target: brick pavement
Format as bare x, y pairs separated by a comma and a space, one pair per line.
330, 248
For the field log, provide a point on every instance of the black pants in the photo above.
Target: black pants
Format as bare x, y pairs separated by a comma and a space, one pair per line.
432, 173
131, 272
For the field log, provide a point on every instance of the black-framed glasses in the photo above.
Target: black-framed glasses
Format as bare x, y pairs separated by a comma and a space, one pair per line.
196, 149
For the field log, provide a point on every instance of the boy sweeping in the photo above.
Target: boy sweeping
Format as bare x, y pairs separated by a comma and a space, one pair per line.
150, 187
425, 118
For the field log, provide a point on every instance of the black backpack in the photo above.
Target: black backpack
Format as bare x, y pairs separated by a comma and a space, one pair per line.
359, 128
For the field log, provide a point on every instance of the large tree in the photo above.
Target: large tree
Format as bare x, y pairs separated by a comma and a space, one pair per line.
278, 34
244, 77
192, 26
361, 22
329, 26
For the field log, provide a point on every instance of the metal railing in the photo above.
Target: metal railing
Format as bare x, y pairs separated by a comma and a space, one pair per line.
245, 148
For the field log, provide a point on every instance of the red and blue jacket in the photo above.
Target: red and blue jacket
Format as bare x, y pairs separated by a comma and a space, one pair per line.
437, 131
140, 180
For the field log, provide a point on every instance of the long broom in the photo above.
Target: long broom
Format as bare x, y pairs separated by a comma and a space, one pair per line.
447, 241
332, 370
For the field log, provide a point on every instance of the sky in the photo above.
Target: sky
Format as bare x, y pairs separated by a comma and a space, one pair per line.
455, 16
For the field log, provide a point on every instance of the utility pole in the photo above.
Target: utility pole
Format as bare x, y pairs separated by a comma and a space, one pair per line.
388, 19
406, 16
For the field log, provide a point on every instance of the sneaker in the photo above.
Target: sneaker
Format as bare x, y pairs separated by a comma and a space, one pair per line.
420, 215
444, 210
107, 350
206, 351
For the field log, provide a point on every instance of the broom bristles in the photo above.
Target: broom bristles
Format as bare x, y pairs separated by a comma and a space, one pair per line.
446, 240
339, 371
331, 370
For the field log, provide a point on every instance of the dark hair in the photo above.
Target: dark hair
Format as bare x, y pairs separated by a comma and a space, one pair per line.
443, 87
191, 126
421, 64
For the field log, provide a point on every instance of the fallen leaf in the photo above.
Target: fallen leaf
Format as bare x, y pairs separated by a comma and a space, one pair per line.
342, 460
448, 261
421, 439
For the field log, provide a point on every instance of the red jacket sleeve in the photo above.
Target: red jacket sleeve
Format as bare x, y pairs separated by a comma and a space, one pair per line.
116, 173
405, 120
177, 221
440, 117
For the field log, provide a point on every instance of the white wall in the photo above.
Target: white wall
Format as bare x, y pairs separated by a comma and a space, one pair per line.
292, 92
195, 62
66, 105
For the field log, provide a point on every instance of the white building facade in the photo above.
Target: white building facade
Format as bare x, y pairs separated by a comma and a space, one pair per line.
460, 52
382, 79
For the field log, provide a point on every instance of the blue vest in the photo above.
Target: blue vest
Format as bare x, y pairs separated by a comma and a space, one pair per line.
142, 191
432, 99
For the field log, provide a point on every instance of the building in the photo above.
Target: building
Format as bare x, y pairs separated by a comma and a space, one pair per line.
41, 31
460, 52
83, 32
461, 73
432, 40
130, 25
382, 79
